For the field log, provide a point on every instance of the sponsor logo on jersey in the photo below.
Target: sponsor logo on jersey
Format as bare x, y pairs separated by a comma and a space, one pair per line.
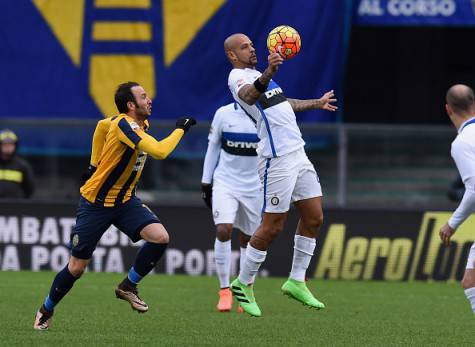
273, 96
241, 144
134, 126
273, 92
244, 144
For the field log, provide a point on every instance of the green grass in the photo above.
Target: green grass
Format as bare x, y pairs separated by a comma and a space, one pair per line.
182, 312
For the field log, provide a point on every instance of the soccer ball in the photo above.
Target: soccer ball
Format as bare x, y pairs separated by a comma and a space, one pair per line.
284, 40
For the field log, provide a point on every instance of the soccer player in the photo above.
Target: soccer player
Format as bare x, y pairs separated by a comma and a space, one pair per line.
121, 145
286, 173
460, 107
230, 186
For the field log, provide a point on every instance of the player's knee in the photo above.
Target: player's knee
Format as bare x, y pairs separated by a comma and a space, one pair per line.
314, 222
223, 232
467, 282
319, 221
77, 268
155, 233
161, 237
272, 231
223, 235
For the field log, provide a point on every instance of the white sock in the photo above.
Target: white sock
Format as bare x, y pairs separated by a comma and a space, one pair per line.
303, 252
242, 258
470, 294
252, 263
222, 257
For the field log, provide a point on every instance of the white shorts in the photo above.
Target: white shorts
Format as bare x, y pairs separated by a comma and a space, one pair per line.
471, 258
287, 179
244, 212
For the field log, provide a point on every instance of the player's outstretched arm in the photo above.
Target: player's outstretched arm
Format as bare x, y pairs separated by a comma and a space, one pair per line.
251, 92
161, 149
324, 103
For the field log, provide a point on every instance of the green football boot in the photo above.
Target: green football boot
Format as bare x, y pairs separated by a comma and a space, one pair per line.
298, 290
245, 295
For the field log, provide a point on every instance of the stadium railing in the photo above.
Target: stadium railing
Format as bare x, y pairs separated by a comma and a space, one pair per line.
359, 165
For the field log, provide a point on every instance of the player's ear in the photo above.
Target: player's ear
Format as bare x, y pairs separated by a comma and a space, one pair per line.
131, 105
448, 109
231, 55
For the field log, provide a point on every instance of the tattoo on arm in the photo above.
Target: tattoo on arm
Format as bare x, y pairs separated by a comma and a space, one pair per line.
249, 94
305, 105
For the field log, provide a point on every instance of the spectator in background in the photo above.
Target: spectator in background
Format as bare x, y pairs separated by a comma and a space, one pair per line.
16, 175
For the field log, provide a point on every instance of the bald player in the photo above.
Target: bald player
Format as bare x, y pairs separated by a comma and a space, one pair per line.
285, 172
460, 106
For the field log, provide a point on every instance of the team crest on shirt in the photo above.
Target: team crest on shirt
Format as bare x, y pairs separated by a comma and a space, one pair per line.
134, 126
75, 240
274, 200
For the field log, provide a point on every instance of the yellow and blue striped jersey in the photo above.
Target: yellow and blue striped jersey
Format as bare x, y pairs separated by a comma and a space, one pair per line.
120, 148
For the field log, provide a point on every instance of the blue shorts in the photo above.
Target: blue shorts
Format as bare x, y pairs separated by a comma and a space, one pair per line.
93, 220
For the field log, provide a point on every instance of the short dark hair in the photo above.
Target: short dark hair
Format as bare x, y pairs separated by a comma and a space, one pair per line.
123, 95
461, 98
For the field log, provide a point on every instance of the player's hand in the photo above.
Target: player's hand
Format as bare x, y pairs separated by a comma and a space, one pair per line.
207, 193
325, 102
185, 123
88, 173
446, 233
274, 60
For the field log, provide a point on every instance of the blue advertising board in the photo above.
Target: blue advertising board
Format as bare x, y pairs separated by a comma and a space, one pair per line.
414, 12
63, 59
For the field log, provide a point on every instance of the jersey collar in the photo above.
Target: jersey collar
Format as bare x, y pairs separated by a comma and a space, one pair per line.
467, 122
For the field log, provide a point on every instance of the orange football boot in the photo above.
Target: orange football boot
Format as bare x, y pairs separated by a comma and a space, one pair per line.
225, 303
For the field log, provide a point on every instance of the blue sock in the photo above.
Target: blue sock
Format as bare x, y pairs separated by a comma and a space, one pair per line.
147, 258
62, 283
133, 276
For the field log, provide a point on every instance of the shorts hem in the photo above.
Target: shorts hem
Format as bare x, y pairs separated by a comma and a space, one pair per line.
277, 211
223, 222
80, 256
307, 197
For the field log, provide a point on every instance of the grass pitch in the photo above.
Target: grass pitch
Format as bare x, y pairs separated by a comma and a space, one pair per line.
182, 312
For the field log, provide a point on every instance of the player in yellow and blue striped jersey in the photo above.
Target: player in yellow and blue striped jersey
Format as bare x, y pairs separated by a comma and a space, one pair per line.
120, 148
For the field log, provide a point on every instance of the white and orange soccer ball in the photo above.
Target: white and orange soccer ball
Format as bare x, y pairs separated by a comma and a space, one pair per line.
284, 40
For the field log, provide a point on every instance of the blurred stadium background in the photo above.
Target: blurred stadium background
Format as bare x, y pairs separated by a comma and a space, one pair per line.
389, 144
383, 160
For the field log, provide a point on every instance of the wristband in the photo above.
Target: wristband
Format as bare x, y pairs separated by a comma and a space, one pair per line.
259, 86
